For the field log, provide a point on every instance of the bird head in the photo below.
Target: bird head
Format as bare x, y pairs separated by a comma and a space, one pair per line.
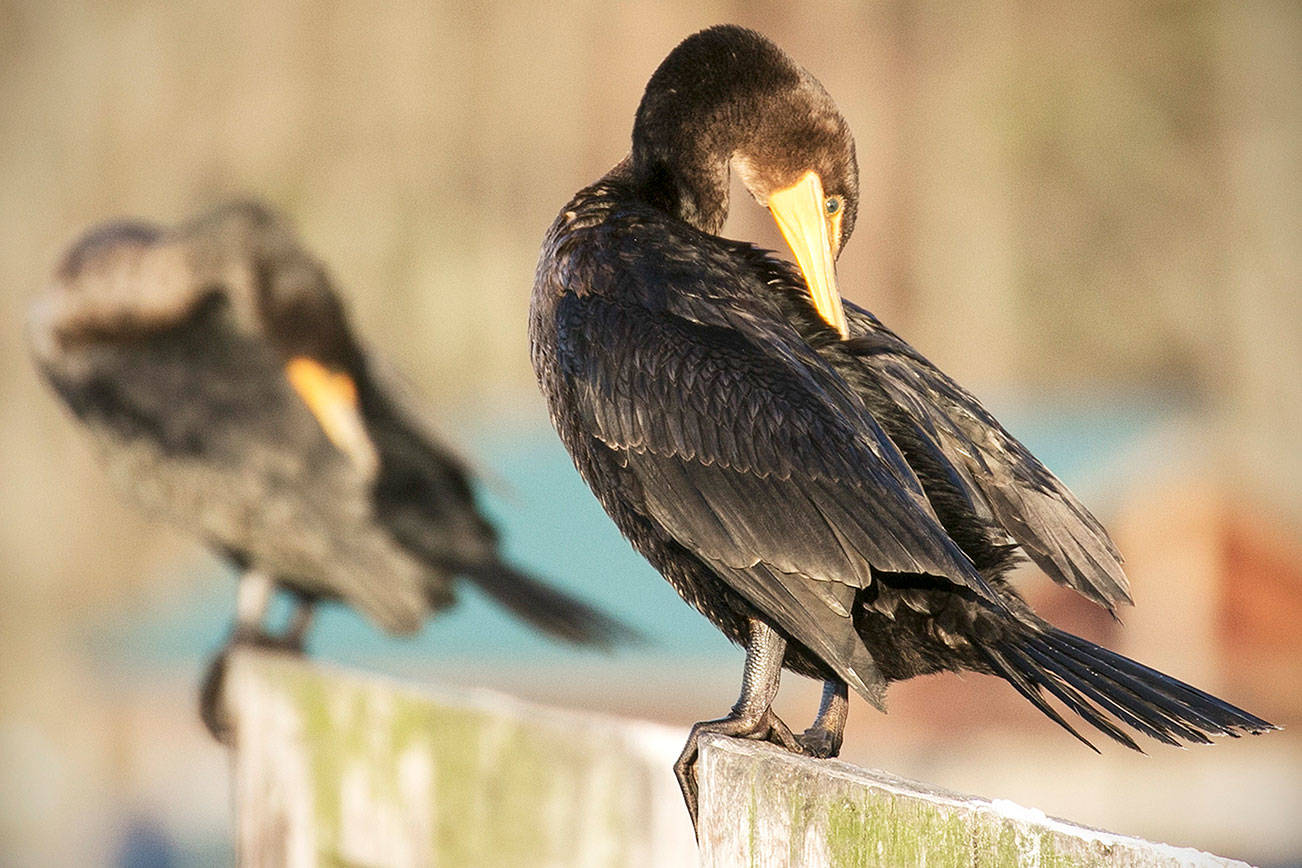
238, 272
726, 98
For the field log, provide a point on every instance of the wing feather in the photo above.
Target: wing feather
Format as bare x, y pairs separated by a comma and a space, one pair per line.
748, 451
1059, 534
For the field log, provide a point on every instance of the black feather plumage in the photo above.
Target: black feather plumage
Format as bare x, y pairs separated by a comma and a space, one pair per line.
837, 488
170, 348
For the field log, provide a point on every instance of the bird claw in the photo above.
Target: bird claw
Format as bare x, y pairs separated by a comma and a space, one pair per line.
819, 742
212, 706
767, 727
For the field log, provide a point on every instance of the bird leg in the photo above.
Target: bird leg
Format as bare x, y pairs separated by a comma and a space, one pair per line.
823, 738
751, 717
295, 636
253, 598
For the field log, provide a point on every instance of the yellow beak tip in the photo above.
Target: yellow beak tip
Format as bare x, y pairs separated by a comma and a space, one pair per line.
799, 213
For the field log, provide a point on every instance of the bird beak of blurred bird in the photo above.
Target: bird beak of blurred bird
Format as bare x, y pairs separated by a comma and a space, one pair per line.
799, 213
332, 398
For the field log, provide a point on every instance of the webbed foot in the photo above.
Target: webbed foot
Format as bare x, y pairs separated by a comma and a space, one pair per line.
213, 710
820, 743
766, 726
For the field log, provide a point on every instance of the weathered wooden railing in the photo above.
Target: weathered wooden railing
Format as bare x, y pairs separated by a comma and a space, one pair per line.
335, 768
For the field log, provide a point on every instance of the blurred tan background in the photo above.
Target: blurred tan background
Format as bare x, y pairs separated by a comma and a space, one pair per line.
1089, 213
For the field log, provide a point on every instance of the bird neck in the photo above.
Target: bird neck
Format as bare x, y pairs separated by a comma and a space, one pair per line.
691, 184
689, 127
706, 102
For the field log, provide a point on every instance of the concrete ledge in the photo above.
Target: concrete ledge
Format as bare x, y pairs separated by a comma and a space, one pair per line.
338, 768
761, 806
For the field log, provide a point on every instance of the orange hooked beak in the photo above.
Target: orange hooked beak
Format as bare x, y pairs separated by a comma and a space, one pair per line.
332, 398
800, 212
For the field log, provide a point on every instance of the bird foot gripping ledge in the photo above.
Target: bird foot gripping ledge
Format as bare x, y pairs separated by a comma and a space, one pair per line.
763, 806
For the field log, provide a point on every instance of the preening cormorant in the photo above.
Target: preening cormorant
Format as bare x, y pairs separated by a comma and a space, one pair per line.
215, 369
801, 475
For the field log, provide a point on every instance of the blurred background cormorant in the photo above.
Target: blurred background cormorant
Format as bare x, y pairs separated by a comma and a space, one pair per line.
215, 369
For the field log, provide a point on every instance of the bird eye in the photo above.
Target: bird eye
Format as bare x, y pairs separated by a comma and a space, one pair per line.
832, 205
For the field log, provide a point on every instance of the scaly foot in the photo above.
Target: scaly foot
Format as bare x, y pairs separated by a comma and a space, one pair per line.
764, 727
212, 707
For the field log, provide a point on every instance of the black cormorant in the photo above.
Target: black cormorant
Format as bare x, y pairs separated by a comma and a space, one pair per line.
215, 369
802, 476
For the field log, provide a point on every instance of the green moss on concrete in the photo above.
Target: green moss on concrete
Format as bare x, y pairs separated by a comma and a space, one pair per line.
517, 799
311, 704
501, 788
492, 778
854, 832
781, 804
1006, 849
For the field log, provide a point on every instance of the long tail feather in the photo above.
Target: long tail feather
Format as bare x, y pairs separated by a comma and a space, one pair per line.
1072, 698
1215, 713
1031, 690
550, 610
1078, 678
1108, 690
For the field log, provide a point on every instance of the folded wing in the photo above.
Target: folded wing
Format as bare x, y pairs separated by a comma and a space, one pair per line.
999, 473
748, 453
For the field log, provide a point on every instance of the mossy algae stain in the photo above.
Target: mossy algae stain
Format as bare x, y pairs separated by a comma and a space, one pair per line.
501, 790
